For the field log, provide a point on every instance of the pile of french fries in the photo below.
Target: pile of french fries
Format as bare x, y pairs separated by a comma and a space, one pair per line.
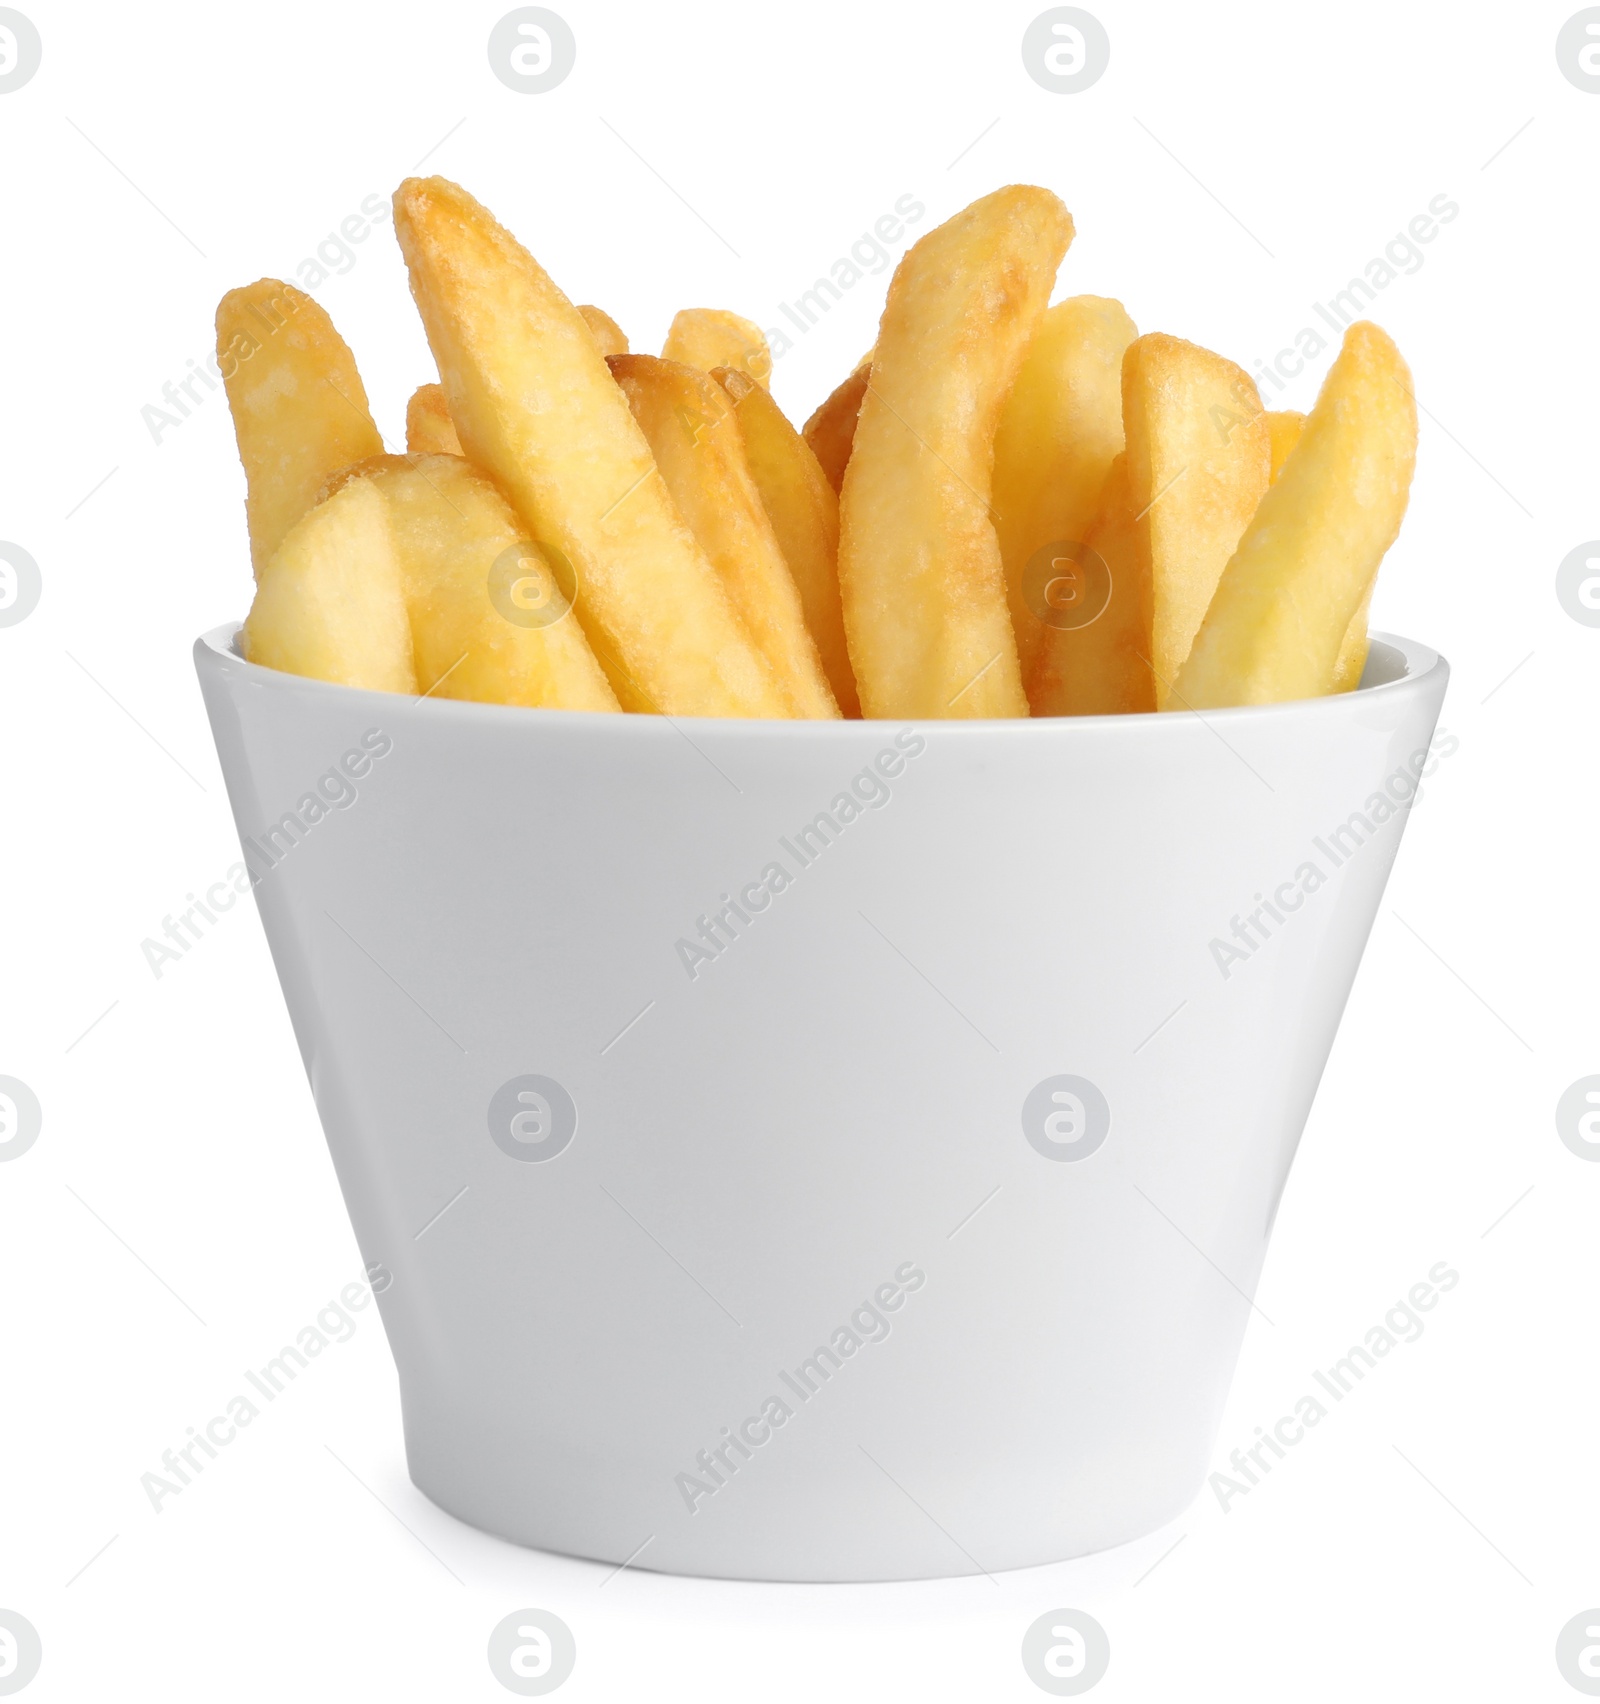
1006, 509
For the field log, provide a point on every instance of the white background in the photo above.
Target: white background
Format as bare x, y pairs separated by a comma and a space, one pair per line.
1236, 163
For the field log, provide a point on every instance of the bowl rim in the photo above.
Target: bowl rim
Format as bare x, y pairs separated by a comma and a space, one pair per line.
1418, 669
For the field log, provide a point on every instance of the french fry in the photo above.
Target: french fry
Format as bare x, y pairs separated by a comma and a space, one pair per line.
1199, 458
920, 575
490, 618
1286, 600
299, 409
607, 333
429, 428
694, 435
713, 337
1004, 509
831, 430
536, 408
330, 601
804, 511
1099, 666
1058, 434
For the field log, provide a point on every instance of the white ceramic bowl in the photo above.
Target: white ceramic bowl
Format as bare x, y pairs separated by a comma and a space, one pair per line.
777, 1245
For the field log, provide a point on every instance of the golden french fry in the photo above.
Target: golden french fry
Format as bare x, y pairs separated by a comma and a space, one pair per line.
694, 435
804, 511
491, 620
1059, 431
1094, 657
919, 566
429, 428
536, 408
1284, 426
299, 409
713, 337
330, 601
831, 430
1286, 599
607, 333
1199, 458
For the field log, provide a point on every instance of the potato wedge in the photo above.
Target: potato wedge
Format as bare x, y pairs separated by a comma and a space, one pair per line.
330, 602
1199, 459
1059, 433
536, 408
920, 575
299, 409
831, 430
607, 333
1099, 666
491, 620
429, 429
804, 511
1287, 598
694, 435
713, 337
1284, 426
